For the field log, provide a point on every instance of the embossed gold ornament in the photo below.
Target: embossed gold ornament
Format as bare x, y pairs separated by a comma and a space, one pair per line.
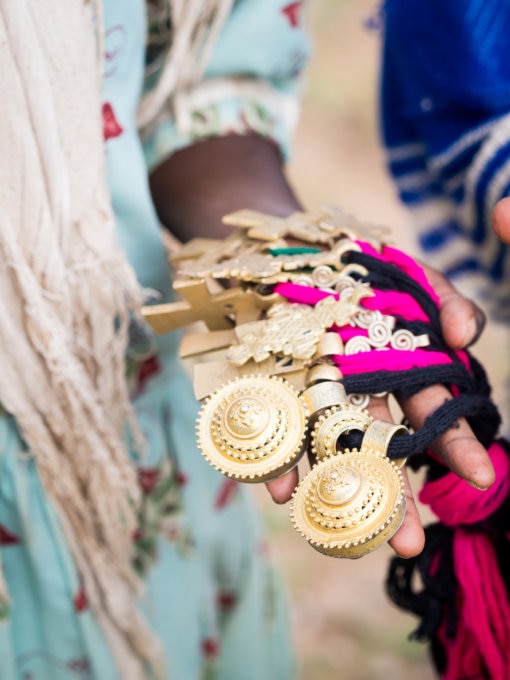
332, 424
253, 264
322, 226
253, 428
250, 255
361, 401
249, 266
295, 329
379, 434
322, 373
321, 396
405, 340
199, 304
306, 226
350, 503
341, 223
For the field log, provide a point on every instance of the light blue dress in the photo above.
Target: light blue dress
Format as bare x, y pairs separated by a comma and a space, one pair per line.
212, 596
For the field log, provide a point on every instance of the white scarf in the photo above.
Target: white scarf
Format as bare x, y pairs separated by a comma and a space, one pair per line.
67, 294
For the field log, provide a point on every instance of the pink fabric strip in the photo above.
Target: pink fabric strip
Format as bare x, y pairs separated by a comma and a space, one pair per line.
388, 360
463, 357
390, 303
456, 502
305, 295
484, 612
482, 639
395, 304
404, 262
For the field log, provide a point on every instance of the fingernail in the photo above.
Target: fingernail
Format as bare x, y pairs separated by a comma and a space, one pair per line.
475, 486
471, 332
474, 328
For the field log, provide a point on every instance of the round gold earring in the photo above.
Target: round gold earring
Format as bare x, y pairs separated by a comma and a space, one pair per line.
253, 428
351, 503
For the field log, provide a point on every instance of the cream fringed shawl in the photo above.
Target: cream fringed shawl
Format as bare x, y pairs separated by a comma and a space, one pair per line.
67, 293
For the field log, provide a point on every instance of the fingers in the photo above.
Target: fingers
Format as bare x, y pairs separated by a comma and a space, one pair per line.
409, 540
282, 488
501, 220
458, 447
461, 320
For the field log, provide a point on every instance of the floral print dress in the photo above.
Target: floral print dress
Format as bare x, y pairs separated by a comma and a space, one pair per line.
212, 596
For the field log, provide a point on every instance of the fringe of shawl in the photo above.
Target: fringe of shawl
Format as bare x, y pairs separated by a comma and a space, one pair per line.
63, 277
196, 25
67, 296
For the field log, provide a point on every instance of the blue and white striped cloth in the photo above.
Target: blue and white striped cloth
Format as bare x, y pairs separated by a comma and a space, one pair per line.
445, 98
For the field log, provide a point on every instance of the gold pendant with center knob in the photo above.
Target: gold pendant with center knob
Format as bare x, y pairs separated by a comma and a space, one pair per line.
253, 428
349, 504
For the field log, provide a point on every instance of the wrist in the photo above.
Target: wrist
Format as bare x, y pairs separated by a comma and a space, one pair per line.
196, 186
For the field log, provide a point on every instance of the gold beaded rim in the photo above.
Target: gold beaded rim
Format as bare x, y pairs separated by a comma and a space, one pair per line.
349, 504
253, 428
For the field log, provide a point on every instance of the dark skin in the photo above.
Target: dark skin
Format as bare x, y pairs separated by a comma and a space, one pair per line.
197, 185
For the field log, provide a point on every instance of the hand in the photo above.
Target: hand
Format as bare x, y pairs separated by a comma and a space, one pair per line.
501, 220
461, 322
197, 185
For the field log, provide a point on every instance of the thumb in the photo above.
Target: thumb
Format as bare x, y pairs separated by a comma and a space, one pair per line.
501, 219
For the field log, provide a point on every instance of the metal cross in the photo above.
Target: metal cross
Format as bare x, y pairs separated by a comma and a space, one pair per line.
218, 311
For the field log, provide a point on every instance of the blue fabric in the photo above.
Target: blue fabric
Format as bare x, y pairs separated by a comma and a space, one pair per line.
445, 100
446, 66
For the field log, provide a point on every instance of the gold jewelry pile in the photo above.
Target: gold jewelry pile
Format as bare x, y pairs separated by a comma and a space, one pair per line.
275, 392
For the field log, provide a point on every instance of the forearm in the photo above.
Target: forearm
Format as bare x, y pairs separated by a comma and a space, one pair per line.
197, 185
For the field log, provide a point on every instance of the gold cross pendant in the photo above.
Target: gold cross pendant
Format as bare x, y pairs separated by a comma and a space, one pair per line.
218, 311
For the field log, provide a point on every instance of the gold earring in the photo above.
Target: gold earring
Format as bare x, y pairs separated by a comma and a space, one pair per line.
253, 428
351, 503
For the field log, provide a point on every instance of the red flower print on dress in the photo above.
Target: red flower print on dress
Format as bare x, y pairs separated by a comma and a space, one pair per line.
210, 648
80, 601
146, 370
7, 537
226, 600
148, 478
111, 127
226, 493
181, 478
293, 13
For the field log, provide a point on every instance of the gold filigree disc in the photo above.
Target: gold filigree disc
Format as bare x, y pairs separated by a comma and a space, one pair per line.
253, 428
349, 504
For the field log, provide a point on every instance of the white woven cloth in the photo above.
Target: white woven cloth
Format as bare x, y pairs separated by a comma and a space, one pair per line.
67, 294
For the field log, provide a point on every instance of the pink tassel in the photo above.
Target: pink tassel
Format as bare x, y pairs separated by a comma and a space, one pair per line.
481, 647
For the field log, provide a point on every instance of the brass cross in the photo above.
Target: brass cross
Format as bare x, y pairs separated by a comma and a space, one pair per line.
300, 225
218, 311
343, 224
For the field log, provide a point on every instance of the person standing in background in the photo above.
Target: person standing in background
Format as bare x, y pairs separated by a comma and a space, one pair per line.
445, 107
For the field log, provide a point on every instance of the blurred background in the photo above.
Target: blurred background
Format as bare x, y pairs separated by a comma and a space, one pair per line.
344, 626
